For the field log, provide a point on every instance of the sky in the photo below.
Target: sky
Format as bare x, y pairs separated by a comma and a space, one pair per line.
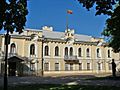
54, 13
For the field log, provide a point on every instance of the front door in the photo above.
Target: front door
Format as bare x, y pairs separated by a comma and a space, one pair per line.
12, 69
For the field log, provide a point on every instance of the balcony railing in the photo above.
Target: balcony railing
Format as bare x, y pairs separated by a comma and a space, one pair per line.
71, 58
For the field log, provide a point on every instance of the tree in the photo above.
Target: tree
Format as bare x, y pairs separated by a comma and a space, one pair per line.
13, 15
112, 29
12, 18
102, 6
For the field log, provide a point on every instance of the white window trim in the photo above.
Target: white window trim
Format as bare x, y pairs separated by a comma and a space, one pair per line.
44, 50
36, 49
16, 47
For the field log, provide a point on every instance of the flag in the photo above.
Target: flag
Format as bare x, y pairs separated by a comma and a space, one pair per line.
69, 11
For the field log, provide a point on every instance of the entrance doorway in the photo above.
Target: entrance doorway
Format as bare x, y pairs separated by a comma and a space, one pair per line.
12, 69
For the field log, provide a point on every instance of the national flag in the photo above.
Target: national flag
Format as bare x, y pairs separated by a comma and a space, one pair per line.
69, 11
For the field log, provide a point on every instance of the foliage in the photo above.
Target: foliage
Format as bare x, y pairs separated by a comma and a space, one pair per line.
13, 15
112, 29
102, 6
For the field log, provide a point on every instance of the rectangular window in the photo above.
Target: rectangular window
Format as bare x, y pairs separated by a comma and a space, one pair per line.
109, 54
66, 67
71, 66
88, 66
88, 55
46, 66
56, 66
32, 66
110, 66
80, 66
99, 66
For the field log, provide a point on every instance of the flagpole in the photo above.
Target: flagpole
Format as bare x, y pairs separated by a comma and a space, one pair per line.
67, 22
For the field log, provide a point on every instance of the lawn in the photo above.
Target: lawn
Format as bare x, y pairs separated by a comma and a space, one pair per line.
61, 87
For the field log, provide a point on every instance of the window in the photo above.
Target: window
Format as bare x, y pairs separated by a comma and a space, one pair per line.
87, 52
110, 66
99, 66
98, 52
56, 51
71, 51
56, 66
71, 66
32, 66
66, 67
80, 66
13, 48
79, 52
46, 51
88, 66
46, 66
66, 51
32, 49
109, 54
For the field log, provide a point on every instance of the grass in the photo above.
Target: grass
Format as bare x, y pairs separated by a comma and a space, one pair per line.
61, 87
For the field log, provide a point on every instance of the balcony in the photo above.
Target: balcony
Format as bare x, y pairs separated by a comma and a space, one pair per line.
71, 59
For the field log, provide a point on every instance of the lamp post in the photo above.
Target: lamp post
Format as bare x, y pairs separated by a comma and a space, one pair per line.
7, 42
42, 72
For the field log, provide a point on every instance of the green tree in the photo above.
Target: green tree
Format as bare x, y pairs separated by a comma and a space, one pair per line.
12, 18
102, 6
112, 29
13, 15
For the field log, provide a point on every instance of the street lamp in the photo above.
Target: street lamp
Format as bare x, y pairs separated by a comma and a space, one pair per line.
7, 42
42, 72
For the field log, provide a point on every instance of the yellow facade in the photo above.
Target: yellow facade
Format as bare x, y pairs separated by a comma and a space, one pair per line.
83, 54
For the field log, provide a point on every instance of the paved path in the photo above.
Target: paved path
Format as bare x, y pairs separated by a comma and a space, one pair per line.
68, 80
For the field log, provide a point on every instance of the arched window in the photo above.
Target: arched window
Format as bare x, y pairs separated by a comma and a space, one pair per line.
46, 51
66, 51
32, 49
109, 54
79, 52
87, 52
98, 52
12, 48
56, 51
71, 51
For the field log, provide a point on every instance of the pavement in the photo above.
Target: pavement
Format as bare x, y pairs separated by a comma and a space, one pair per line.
66, 80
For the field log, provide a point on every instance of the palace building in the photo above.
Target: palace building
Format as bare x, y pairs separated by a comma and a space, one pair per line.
35, 52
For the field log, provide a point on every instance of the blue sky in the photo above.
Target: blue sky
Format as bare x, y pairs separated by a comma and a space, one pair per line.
54, 12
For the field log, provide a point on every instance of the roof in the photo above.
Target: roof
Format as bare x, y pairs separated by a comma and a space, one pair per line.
15, 59
61, 35
53, 34
80, 37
